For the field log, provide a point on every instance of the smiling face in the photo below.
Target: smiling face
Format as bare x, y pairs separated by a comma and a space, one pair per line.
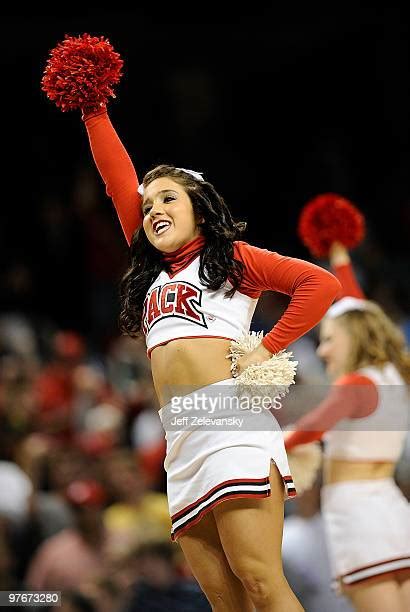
169, 218
335, 346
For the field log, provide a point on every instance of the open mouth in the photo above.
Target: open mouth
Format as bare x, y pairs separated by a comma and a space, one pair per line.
160, 227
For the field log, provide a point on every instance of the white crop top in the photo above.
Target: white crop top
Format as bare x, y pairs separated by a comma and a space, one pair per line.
381, 435
182, 307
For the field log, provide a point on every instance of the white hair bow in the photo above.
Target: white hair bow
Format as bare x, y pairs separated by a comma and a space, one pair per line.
346, 304
197, 175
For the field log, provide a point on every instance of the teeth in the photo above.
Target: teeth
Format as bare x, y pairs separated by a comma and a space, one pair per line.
161, 227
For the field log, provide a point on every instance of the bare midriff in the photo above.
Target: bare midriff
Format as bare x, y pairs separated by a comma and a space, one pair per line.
338, 470
184, 365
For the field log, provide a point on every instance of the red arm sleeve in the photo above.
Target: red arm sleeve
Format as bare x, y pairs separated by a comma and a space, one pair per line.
353, 396
117, 171
312, 288
348, 280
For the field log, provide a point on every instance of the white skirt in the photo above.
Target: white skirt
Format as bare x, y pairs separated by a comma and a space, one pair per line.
367, 524
217, 450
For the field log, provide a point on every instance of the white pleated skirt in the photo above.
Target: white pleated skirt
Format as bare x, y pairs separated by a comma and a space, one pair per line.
215, 453
367, 524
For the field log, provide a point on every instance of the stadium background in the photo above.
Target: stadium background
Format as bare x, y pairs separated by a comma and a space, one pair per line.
274, 107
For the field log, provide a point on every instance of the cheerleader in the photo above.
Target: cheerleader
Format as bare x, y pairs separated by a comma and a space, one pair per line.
363, 423
192, 288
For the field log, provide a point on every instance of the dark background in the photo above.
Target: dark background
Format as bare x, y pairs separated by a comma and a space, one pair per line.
274, 106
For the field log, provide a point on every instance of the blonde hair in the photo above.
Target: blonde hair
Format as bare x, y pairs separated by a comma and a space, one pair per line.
375, 340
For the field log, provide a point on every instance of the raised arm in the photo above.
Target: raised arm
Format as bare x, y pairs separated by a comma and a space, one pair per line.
81, 74
342, 268
116, 170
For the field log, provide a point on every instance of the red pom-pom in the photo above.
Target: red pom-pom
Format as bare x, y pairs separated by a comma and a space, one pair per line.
329, 218
81, 73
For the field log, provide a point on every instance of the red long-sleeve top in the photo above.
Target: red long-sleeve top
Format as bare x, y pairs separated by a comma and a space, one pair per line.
117, 171
352, 396
312, 289
348, 281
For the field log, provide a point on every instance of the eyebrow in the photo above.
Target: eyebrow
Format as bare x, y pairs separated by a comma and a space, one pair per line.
149, 200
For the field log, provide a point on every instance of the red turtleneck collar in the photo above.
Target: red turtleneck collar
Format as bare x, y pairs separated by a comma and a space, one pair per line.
182, 257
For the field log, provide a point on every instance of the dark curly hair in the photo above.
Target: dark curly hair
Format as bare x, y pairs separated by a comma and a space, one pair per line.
217, 263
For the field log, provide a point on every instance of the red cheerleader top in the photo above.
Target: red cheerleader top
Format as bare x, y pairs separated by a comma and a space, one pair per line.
312, 289
353, 395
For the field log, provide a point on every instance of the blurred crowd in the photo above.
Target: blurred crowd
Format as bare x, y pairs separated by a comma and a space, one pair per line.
83, 506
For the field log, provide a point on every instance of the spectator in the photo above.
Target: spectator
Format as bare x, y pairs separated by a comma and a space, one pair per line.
136, 514
17, 491
159, 587
82, 545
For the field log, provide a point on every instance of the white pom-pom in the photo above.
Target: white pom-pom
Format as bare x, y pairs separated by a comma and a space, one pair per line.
304, 463
278, 372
